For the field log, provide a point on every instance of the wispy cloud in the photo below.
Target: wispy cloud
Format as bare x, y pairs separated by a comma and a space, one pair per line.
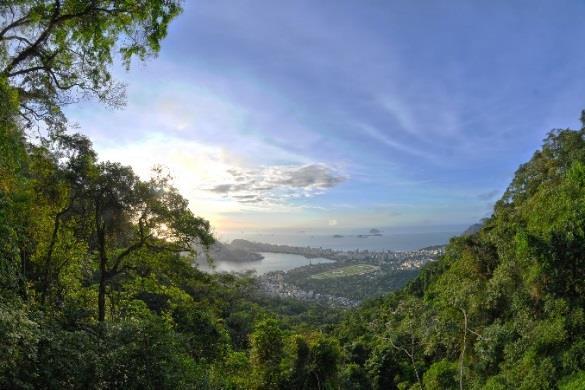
402, 113
380, 136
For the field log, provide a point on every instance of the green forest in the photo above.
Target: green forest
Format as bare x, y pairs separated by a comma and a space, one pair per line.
98, 291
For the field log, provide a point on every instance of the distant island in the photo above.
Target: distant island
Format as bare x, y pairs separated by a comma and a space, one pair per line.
372, 233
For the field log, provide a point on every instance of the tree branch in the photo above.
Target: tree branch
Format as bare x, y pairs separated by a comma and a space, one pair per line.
53, 22
14, 24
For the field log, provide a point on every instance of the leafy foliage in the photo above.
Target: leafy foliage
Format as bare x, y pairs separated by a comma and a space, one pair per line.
55, 52
98, 291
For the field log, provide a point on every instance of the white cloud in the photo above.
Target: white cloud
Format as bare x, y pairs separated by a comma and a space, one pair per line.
218, 183
277, 184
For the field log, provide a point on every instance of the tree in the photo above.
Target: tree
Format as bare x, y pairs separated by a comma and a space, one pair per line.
267, 348
312, 362
55, 52
131, 215
56, 167
15, 199
441, 375
324, 362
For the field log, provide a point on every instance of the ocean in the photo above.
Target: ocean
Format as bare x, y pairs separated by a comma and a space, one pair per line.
391, 241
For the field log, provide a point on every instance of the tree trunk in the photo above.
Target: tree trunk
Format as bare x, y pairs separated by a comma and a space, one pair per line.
102, 293
104, 275
47, 271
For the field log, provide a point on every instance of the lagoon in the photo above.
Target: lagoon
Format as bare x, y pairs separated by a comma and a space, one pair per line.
271, 262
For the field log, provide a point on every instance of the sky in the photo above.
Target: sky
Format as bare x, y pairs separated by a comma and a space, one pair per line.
335, 115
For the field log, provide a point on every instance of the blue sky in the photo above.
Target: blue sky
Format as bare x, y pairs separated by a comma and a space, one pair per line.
347, 114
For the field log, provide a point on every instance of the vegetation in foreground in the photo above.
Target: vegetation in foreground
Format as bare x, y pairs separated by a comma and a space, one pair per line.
97, 289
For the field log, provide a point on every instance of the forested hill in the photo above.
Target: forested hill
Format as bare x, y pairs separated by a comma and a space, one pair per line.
504, 308
98, 291
93, 296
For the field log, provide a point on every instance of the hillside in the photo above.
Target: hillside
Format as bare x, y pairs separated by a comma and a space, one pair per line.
504, 308
98, 288
225, 252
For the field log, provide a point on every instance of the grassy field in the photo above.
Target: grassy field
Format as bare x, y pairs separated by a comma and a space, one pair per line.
352, 270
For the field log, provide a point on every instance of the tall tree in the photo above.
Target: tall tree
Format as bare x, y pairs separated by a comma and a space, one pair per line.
132, 216
55, 52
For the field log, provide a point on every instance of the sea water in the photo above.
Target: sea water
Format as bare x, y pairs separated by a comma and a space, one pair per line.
347, 242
